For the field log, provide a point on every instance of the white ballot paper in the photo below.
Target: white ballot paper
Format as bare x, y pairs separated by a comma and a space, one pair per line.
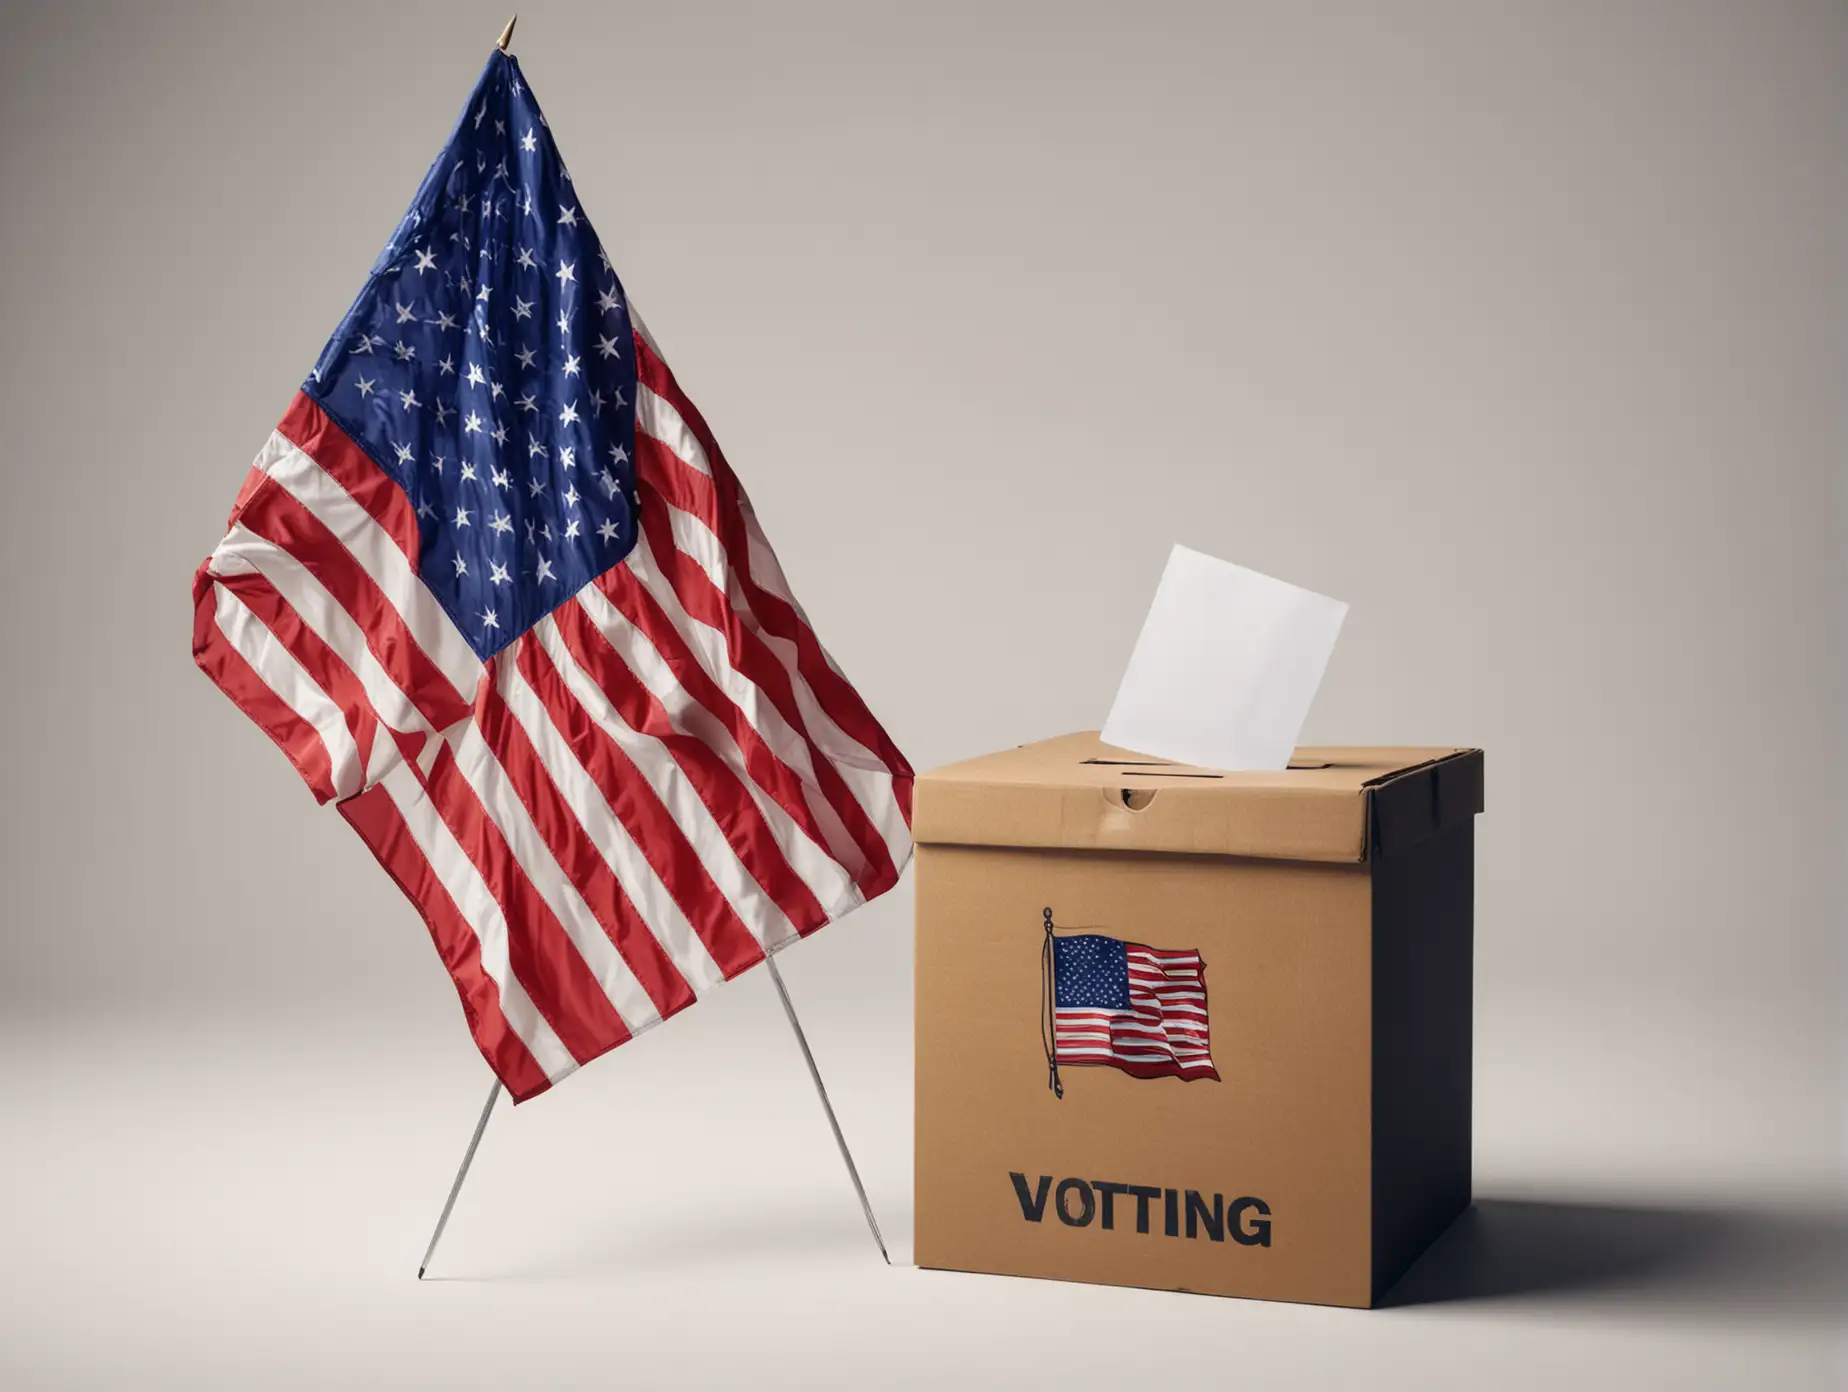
1225, 670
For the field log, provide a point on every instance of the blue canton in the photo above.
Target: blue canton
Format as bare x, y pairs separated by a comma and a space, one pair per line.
488, 368
1090, 972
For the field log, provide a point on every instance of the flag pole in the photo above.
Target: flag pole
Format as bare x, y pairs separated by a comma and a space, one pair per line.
468, 1158
507, 34
821, 1091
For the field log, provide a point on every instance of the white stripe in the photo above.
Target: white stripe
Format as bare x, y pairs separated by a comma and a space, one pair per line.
477, 764
756, 909
710, 650
282, 674
476, 903
600, 827
824, 877
866, 775
243, 550
372, 546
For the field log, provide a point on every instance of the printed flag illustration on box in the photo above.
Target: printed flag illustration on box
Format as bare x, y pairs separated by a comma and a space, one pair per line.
493, 588
1123, 1005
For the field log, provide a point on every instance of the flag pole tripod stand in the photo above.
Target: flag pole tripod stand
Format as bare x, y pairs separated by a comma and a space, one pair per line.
821, 1091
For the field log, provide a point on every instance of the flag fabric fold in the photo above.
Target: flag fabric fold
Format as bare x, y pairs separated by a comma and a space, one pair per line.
493, 588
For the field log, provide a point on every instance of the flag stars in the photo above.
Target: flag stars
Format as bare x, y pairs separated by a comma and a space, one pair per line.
472, 426
474, 377
571, 529
608, 302
447, 367
407, 313
500, 522
424, 510
528, 402
497, 573
524, 259
403, 351
499, 432
461, 566
366, 386
529, 142
571, 496
564, 321
426, 261
538, 487
522, 309
468, 473
489, 619
566, 273
408, 398
572, 369
567, 216
545, 571
526, 357
461, 516
608, 531
567, 457
535, 447
406, 455
606, 346
443, 413
500, 478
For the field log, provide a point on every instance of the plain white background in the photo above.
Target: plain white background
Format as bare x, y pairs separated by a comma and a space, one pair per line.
1520, 327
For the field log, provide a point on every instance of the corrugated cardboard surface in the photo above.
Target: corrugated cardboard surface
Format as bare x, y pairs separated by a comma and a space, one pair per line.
1288, 983
1077, 792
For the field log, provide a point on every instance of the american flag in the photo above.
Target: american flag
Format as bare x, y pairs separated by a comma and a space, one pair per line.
1136, 1008
493, 588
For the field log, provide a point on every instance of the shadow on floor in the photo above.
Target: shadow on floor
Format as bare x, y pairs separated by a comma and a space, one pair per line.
1727, 1265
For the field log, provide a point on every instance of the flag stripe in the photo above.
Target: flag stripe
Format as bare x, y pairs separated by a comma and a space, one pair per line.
666, 626
635, 780
218, 657
382, 827
691, 507
762, 578
734, 775
620, 846
735, 655
542, 951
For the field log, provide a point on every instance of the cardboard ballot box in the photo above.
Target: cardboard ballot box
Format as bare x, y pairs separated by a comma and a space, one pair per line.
1237, 1059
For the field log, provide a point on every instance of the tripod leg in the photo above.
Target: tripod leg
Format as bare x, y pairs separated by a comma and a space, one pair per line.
468, 1158
821, 1091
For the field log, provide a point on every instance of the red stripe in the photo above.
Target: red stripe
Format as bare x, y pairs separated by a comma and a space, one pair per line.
752, 658
644, 612
310, 429
652, 827
542, 955
321, 662
584, 867
279, 518
377, 820
213, 652
836, 695
712, 779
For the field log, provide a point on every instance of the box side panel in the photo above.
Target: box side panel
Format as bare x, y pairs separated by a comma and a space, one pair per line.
1423, 957
1275, 1152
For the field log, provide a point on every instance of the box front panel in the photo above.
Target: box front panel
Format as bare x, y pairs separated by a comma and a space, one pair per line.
1256, 1183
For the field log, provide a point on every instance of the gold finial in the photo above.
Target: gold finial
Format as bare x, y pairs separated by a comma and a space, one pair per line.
507, 34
